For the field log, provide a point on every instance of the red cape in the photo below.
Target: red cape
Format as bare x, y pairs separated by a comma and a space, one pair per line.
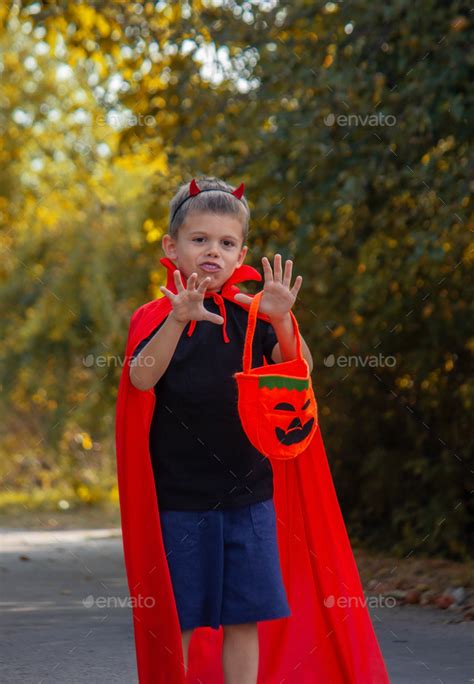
329, 637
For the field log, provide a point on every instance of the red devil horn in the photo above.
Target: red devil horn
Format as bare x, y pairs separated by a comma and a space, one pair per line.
194, 189
239, 192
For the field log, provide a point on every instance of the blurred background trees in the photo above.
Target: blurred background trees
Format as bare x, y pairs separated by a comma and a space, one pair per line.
349, 125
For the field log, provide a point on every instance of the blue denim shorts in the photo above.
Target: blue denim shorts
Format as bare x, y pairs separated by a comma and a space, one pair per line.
225, 565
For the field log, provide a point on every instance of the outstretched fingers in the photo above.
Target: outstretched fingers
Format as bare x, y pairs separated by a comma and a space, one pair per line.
213, 318
241, 297
178, 281
277, 268
296, 287
287, 274
203, 284
267, 270
171, 295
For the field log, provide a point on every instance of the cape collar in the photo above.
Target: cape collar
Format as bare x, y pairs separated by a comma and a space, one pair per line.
227, 291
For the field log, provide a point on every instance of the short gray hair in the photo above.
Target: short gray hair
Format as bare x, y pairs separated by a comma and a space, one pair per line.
212, 202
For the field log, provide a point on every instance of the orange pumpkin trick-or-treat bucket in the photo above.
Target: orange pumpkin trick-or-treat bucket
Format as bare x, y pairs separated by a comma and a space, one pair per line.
276, 403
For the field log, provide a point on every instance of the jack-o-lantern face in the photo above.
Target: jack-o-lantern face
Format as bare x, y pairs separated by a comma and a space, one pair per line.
288, 416
296, 431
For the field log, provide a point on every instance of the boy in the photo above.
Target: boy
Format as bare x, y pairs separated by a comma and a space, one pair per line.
207, 247
214, 533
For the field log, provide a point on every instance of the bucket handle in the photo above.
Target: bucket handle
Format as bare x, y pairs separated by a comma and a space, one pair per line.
247, 357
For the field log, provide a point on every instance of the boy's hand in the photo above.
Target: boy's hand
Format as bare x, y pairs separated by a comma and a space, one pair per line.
188, 303
277, 299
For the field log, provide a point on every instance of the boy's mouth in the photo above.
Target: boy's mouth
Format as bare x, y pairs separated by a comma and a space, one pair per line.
209, 267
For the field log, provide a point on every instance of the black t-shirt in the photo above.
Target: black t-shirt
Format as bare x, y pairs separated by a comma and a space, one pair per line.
201, 456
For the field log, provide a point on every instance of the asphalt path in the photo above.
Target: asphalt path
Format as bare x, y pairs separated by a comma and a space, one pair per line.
66, 618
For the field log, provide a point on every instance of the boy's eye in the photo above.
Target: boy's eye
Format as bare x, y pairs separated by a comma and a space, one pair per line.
227, 243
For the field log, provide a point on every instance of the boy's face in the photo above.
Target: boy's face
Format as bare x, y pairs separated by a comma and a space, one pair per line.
207, 239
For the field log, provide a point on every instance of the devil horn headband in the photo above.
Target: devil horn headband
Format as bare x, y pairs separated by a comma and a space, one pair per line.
194, 190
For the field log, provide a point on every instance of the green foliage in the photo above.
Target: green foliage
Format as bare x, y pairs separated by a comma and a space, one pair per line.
348, 122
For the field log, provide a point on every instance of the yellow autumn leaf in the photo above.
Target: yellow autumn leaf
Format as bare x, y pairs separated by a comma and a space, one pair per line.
86, 441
